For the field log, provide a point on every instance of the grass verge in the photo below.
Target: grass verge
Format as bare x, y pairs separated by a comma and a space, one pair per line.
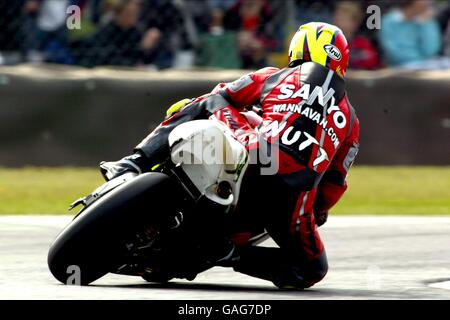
372, 190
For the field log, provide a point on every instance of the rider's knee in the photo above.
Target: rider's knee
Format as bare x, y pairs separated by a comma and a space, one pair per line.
316, 271
303, 275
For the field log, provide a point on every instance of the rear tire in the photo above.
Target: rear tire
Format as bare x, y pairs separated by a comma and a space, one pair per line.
93, 240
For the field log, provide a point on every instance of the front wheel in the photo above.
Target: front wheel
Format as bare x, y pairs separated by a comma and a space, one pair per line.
88, 248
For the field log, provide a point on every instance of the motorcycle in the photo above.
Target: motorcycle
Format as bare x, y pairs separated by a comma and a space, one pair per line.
172, 222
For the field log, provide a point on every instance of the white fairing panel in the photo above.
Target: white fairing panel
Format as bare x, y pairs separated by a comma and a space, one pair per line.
209, 154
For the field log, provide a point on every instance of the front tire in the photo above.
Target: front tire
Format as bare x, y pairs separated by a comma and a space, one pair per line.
91, 243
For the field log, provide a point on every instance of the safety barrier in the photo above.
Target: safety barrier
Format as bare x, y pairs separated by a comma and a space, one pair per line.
54, 115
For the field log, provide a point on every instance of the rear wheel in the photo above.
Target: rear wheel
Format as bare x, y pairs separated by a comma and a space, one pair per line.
91, 243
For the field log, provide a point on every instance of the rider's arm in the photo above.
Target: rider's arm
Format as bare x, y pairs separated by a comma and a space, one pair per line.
246, 90
334, 184
239, 94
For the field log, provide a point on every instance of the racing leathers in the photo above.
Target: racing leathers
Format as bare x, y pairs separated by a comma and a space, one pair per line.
312, 132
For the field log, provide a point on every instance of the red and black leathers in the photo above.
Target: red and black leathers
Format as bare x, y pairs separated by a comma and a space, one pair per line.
308, 119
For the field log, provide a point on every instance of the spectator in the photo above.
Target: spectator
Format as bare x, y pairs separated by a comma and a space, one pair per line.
94, 8
217, 10
121, 42
200, 13
251, 19
214, 33
348, 16
36, 29
318, 10
51, 31
220, 4
444, 21
443, 14
218, 48
410, 34
195, 18
14, 16
165, 16
106, 11
447, 41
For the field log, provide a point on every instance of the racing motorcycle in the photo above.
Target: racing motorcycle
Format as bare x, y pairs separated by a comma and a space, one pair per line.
172, 222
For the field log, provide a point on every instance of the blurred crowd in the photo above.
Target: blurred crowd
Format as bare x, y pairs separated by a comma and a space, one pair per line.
218, 33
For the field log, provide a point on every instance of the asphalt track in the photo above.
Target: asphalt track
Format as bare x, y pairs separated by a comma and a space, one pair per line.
369, 257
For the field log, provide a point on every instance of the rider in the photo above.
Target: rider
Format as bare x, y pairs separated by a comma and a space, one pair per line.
306, 113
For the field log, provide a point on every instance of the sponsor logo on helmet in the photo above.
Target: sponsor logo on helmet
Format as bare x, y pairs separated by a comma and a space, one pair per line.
333, 52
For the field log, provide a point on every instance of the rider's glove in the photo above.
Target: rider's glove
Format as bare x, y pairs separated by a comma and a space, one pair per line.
176, 107
321, 218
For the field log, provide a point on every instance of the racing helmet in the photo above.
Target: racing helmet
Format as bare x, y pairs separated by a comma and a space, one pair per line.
322, 43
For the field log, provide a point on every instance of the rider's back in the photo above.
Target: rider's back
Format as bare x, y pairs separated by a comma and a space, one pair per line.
305, 110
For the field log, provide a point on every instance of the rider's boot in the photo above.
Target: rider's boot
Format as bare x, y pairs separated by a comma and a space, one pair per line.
272, 264
113, 169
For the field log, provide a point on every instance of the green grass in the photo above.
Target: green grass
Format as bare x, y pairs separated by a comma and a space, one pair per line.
44, 190
397, 191
372, 190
